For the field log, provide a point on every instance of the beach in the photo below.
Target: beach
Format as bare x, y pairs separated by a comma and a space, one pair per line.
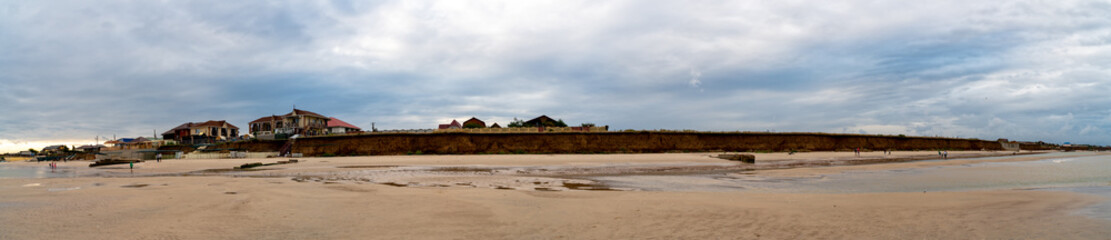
515, 197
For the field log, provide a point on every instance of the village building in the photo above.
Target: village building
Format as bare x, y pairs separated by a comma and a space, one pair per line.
474, 123
298, 121
544, 121
53, 149
336, 126
453, 125
136, 143
89, 148
202, 132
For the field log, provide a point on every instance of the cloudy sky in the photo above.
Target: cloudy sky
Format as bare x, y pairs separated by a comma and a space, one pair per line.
1024, 70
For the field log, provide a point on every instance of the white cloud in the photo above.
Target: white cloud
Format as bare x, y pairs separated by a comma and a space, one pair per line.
694, 82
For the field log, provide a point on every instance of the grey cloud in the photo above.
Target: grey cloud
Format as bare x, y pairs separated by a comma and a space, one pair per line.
954, 68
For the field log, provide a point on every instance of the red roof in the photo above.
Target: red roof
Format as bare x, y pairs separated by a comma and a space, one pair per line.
453, 124
214, 123
333, 122
189, 125
303, 112
266, 119
474, 120
179, 127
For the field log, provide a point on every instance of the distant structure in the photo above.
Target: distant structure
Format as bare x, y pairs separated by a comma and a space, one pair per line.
336, 126
135, 143
407, 131
298, 121
426, 130
543, 123
202, 132
90, 148
52, 149
474, 123
453, 125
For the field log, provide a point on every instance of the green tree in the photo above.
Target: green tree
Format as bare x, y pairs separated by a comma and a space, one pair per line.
516, 123
473, 125
559, 123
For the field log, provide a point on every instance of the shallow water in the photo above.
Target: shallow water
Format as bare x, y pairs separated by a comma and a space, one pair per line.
1087, 171
1075, 172
1065, 170
35, 172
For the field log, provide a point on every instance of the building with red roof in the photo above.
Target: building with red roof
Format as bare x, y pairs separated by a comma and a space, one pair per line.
336, 126
453, 125
474, 123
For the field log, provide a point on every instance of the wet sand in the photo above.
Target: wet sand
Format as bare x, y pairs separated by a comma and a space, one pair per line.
350, 198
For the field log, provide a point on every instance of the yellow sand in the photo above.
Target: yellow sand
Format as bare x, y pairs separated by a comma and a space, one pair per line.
278, 208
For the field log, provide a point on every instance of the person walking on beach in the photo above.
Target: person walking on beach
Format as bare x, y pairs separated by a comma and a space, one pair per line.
857, 152
158, 157
946, 155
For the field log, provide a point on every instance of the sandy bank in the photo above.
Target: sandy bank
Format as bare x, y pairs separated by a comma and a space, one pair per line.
338, 198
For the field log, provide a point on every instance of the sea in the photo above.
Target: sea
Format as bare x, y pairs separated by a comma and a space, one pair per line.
44, 171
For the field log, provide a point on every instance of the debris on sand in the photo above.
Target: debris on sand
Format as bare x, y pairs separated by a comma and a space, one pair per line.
259, 164
743, 157
112, 162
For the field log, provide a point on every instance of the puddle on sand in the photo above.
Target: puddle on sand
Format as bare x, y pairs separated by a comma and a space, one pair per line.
1099, 210
62, 189
1066, 171
369, 166
36, 172
1080, 174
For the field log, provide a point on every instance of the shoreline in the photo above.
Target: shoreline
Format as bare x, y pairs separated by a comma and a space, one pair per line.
765, 161
566, 172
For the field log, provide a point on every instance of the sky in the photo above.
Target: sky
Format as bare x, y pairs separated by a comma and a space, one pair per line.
71, 71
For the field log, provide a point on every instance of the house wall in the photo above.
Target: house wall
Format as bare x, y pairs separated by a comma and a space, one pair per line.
474, 121
308, 125
222, 131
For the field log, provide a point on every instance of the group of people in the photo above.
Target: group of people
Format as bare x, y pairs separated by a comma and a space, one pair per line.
885, 152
